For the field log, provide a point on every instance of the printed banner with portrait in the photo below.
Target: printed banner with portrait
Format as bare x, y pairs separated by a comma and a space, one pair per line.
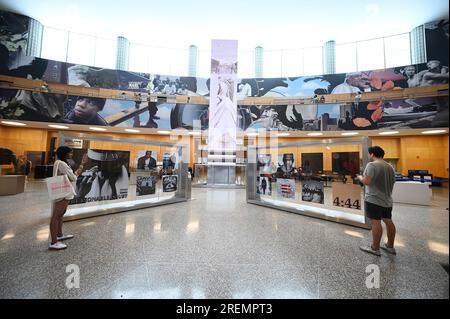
146, 160
104, 175
286, 166
223, 99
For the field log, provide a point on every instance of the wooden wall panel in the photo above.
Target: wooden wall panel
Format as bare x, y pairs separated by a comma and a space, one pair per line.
424, 153
391, 146
20, 140
413, 152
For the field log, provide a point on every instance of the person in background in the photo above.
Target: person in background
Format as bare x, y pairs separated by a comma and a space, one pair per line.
61, 167
23, 166
378, 179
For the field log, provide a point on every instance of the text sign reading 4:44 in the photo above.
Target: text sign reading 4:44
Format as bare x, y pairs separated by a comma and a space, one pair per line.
347, 195
347, 203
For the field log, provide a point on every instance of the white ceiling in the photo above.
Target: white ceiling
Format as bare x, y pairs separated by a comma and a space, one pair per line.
274, 24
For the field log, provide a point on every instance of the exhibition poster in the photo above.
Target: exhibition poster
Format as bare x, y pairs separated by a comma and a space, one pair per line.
146, 160
263, 185
170, 183
145, 185
169, 161
286, 187
264, 164
104, 176
312, 191
286, 166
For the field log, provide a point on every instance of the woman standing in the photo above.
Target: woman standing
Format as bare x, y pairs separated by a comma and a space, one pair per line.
61, 167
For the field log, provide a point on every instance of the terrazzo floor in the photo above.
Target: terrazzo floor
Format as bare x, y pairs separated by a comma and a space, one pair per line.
218, 246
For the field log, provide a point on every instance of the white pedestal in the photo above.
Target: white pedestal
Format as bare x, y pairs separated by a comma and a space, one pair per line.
412, 193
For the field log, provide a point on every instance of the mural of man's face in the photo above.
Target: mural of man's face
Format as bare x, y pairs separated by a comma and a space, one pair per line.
434, 64
410, 71
360, 80
270, 113
85, 109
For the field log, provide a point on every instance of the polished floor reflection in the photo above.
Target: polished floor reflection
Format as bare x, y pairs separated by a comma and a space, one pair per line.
218, 246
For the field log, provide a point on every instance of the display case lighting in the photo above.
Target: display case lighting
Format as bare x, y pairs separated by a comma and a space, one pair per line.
130, 130
163, 132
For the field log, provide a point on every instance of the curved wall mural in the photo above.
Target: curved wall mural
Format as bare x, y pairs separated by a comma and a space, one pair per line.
50, 107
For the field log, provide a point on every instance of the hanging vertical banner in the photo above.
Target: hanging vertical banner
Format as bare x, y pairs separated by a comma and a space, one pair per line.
223, 101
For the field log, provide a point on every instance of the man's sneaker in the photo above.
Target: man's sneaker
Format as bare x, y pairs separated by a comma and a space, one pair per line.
57, 246
64, 237
370, 250
390, 250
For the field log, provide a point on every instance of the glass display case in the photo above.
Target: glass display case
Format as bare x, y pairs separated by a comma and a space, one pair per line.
121, 174
211, 173
314, 178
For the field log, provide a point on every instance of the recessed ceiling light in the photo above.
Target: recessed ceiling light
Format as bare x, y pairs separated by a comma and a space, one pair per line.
163, 132
195, 133
58, 126
131, 130
13, 123
314, 134
434, 131
349, 133
97, 128
283, 134
388, 133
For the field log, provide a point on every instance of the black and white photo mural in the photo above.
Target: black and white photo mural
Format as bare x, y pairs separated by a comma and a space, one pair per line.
223, 100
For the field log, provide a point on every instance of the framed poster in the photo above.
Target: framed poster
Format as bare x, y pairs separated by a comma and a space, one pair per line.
146, 160
347, 195
264, 164
286, 187
145, 185
312, 191
263, 185
170, 183
286, 166
169, 161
